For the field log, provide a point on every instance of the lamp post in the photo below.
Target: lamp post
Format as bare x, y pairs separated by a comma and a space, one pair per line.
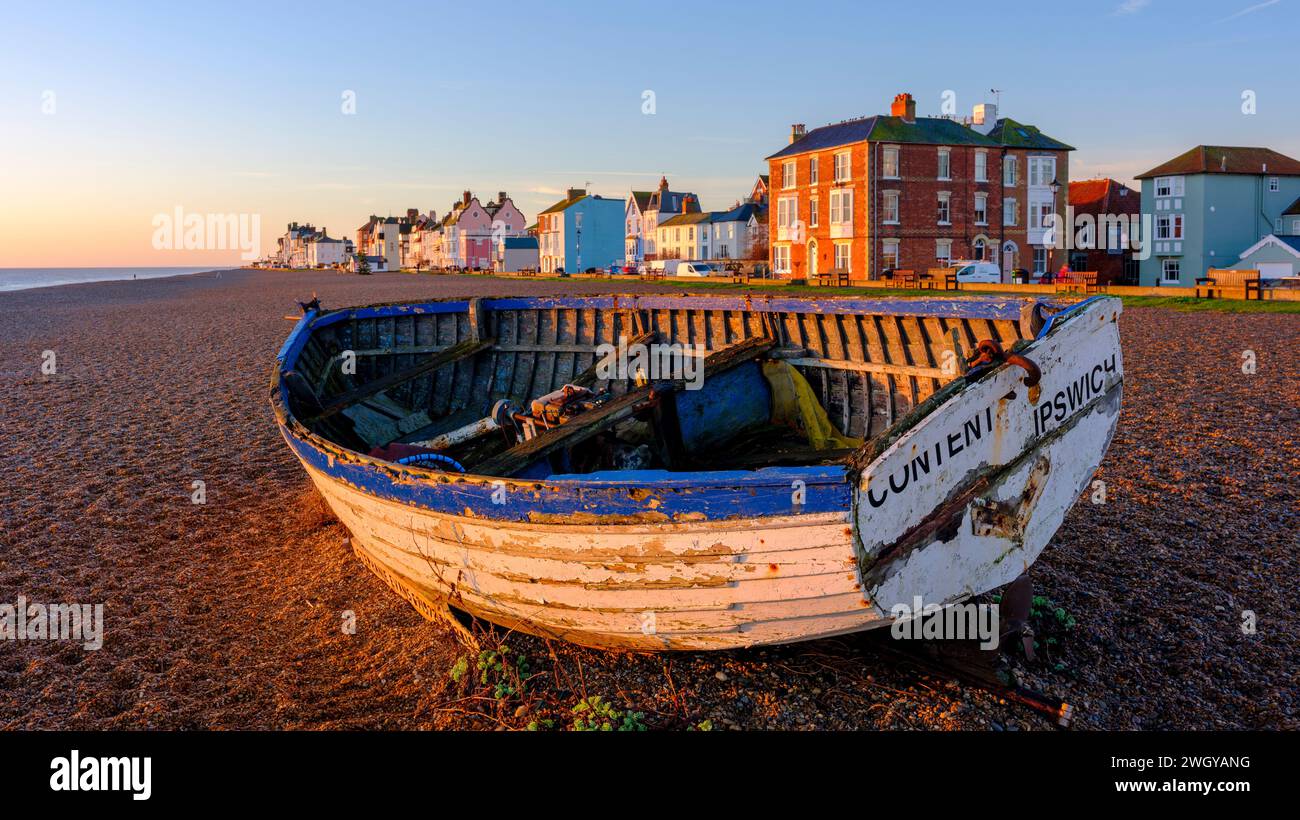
1055, 188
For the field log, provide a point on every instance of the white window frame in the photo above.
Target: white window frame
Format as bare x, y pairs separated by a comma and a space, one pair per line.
1172, 186
891, 198
847, 249
814, 217
889, 152
1010, 212
981, 166
1040, 253
944, 208
1164, 227
842, 207
943, 252
1009, 172
944, 171
1166, 265
884, 252
846, 173
780, 258
1042, 170
787, 211
981, 204
1273, 184
812, 170
789, 177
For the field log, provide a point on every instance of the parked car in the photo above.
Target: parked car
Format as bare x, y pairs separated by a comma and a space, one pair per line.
971, 271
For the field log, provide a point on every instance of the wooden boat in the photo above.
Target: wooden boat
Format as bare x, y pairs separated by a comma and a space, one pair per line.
911, 475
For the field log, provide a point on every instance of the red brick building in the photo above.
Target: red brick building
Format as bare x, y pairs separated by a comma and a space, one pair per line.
914, 192
1109, 255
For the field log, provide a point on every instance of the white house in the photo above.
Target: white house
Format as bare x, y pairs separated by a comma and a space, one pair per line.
324, 252
737, 234
645, 211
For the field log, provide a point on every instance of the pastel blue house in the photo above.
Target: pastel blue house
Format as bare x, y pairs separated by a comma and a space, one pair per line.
1208, 206
579, 232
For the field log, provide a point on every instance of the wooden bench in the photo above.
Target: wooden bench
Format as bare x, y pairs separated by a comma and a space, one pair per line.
650, 273
739, 275
1219, 281
903, 278
1079, 281
838, 277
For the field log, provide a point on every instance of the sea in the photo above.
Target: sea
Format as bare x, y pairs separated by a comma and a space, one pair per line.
24, 278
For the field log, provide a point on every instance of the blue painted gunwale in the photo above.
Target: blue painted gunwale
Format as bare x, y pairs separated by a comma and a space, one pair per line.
680, 497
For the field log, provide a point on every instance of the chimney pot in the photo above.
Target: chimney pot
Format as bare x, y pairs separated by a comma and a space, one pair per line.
797, 132
904, 106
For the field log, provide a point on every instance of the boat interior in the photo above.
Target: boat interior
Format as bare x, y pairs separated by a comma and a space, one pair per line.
569, 387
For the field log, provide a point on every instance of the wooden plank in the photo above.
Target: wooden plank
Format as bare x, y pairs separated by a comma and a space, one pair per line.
588, 377
599, 419
469, 347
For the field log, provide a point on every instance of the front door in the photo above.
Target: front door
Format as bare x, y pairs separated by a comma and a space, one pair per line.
812, 258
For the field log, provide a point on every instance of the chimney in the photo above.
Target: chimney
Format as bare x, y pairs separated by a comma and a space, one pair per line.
501, 197
663, 183
797, 132
984, 117
464, 198
904, 106
574, 193
412, 214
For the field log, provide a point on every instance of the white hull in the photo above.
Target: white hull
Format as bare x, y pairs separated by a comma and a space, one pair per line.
959, 504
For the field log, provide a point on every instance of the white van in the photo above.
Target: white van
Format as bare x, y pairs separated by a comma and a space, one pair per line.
983, 272
696, 269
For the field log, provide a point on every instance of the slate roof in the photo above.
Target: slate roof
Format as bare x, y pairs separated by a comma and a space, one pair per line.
642, 199
1293, 209
741, 213
1012, 134
662, 201
693, 218
924, 130
1227, 159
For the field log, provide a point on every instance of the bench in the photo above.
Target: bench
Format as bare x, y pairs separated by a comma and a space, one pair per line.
838, 277
1219, 281
1079, 281
903, 278
650, 274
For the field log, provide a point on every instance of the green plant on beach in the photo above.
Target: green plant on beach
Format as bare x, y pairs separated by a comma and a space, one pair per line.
1043, 607
502, 671
595, 714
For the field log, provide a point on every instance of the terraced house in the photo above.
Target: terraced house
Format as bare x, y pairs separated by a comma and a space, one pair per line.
900, 191
713, 235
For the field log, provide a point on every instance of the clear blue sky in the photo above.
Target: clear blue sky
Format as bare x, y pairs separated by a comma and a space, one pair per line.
235, 107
